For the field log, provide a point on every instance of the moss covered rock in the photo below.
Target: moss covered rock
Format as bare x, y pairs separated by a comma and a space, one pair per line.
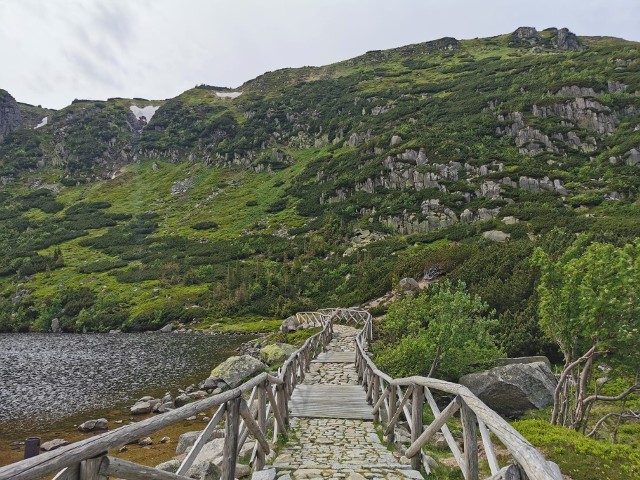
235, 369
277, 352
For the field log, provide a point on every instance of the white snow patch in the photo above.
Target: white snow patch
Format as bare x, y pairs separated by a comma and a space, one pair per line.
228, 94
147, 112
42, 123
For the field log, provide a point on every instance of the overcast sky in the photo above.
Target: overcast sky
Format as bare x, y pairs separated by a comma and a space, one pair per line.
53, 51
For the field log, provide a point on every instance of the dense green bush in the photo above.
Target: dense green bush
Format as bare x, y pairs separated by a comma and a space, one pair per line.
443, 332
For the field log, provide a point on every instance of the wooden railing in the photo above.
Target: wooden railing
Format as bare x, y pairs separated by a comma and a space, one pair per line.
254, 408
394, 399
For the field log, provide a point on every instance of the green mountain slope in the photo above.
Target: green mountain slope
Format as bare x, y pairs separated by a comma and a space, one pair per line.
323, 186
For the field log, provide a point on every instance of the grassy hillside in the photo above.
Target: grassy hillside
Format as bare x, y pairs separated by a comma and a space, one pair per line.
324, 186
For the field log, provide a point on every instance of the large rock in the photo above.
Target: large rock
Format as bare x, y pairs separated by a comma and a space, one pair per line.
496, 235
234, 370
208, 460
92, 425
55, 326
186, 441
513, 389
170, 465
182, 399
408, 285
140, 408
291, 324
277, 352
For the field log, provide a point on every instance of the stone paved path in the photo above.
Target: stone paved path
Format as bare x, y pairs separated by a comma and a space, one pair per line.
334, 447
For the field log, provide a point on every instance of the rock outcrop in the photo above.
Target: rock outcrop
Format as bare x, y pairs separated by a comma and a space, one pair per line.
523, 36
513, 389
587, 113
567, 40
10, 116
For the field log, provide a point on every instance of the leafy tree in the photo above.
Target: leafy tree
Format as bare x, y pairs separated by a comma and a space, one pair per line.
443, 331
589, 305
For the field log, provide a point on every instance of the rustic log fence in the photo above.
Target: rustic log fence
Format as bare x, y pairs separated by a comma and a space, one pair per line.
260, 406
257, 407
394, 399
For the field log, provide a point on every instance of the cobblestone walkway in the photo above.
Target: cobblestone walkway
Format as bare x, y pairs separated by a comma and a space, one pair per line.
334, 447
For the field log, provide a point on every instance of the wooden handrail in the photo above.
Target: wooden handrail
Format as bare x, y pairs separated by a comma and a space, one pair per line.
474, 411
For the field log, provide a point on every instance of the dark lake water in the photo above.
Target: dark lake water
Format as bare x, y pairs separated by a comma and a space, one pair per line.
51, 378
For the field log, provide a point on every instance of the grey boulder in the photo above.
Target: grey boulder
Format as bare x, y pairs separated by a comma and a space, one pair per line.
186, 441
234, 370
182, 399
291, 324
140, 408
92, 425
408, 285
513, 389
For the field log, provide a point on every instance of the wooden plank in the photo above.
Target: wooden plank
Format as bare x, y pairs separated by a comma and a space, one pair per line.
330, 401
335, 357
118, 468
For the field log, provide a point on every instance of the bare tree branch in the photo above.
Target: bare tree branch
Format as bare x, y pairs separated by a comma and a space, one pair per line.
562, 380
624, 415
604, 398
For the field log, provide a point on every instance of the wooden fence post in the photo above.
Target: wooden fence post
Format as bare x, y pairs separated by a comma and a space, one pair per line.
470, 442
375, 396
262, 423
393, 398
417, 405
230, 449
89, 469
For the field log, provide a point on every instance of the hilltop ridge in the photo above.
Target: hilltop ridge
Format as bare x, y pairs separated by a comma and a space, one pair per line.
320, 185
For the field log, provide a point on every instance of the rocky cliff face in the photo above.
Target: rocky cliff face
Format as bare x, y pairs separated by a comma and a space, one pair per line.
10, 117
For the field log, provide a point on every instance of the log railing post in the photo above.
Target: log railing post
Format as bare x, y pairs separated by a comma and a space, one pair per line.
375, 396
470, 437
262, 423
393, 398
230, 449
281, 399
90, 469
417, 405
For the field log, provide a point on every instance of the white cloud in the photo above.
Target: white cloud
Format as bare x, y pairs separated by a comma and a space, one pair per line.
58, 50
